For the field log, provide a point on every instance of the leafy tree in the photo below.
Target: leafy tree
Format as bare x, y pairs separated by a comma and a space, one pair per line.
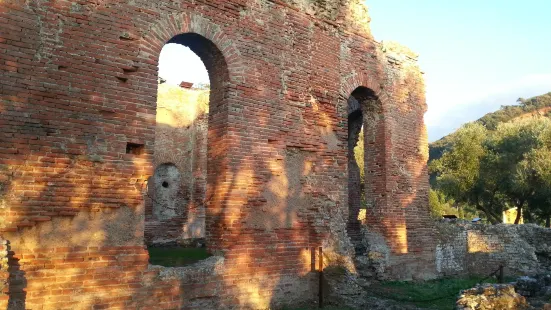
360, 161
495, 170
522, 161
537, 166
359, 155
465, 172
440, 205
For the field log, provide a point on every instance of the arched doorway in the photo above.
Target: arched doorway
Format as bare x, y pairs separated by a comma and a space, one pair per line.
191, 121
364, 146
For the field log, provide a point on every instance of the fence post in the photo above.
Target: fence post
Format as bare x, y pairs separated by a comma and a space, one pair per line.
501, 274
320, 293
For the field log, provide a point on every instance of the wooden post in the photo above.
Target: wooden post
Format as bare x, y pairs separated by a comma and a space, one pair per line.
320, 293
501, 274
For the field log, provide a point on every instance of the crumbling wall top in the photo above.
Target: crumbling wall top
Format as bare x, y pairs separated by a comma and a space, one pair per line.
352, 13
399, 51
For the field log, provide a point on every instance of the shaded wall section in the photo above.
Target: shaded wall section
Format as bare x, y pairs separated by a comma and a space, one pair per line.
355, 123
175, 210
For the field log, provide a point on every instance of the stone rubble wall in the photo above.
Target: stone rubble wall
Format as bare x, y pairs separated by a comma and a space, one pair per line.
491, 296
465, 248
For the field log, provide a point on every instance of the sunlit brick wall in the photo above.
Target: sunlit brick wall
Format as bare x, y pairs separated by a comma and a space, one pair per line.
78, 115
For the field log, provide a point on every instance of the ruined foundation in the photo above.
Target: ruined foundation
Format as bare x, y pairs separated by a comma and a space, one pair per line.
478, 249
79, 132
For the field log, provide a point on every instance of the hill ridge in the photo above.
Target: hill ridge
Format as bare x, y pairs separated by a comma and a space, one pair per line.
537, 105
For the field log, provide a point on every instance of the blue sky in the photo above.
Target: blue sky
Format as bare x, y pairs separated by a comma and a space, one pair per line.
476, 54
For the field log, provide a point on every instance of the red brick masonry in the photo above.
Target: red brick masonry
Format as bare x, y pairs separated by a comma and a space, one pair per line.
77, 109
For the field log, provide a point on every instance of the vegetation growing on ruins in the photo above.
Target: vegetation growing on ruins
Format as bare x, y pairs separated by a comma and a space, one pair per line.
501, 161
434, 294
176, 256
442, 205
359, 156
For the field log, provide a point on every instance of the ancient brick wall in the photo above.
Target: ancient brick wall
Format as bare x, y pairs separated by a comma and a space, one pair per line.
174, 210
479, 249
399, 230
78, 103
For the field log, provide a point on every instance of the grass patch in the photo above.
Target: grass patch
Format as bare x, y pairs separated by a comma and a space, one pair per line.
316, 307
435, 294
176, 256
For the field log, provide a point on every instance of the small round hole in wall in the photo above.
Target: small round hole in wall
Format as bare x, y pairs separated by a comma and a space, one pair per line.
165, 184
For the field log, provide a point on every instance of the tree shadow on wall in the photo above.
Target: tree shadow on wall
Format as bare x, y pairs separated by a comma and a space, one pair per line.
271, 232
73, 243
273, 238
17, 282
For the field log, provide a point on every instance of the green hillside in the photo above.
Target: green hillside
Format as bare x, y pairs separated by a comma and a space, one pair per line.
539, 105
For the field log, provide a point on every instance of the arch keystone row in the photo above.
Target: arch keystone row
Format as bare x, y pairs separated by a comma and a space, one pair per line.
171, 25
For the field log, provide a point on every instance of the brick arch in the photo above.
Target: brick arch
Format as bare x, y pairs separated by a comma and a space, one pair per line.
362, 79
350, 83
376, 136
172, 25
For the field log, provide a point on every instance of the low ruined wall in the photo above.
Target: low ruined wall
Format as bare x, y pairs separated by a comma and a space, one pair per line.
462, 248
465, 248
103, 264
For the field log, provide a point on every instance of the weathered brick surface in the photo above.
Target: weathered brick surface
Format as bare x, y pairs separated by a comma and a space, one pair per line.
77, 107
